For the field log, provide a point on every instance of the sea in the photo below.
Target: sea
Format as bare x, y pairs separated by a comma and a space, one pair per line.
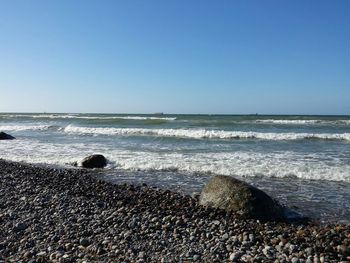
302, 161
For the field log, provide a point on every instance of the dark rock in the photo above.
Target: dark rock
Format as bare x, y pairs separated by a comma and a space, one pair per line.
84, 242
234, 195
94, 161
5, 136
20, 227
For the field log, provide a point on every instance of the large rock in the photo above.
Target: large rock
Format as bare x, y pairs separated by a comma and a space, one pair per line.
94, 161
234, 195
5, 136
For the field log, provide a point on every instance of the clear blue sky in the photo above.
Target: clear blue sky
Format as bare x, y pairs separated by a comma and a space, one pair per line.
186, 56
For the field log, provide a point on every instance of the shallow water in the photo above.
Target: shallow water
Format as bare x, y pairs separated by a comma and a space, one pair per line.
304, 161
323, 201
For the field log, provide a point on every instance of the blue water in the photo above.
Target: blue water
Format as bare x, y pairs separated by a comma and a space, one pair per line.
303, 161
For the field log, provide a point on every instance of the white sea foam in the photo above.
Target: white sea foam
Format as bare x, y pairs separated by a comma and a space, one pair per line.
105, 117
282, 165
73, 116
302, 122
205, 134
240, 163
24, 127
145, 118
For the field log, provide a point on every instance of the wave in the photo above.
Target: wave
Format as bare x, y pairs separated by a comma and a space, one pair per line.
104, 117
302, 122
241, 163
25, 127
244, 164
145, 118
205, 134
73, 116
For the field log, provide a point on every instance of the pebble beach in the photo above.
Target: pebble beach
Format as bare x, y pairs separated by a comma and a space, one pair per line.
50, 214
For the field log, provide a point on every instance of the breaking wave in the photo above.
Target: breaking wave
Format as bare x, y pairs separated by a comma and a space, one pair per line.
205, 134
72, 116
25, 127
280, 164
304, 122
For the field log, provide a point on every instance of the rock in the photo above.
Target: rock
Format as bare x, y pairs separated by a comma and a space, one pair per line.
269, 252
236, 256
20, 227
94, 161
345, 250
234, 195
5, 136
84, 242
27, 254
224, 236
41, 254
196, 257
309, 251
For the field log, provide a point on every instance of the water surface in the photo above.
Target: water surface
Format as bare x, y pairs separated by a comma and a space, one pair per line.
304, 161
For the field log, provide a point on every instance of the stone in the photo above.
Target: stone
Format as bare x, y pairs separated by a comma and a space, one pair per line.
20, 227
94, 161
5, 136
84, 242
41, 254
196, 257
233, 195
224, 236
235, 256
343, 249
27, 255
309, 251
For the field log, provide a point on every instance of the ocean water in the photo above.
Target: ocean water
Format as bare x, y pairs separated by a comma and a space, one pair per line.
303, 161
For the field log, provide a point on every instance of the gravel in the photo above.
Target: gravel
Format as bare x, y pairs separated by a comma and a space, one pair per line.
68, 215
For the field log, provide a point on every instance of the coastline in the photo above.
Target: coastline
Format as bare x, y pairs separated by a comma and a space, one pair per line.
68, 215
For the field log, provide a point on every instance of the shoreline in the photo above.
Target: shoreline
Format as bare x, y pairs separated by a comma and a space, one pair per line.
69, 215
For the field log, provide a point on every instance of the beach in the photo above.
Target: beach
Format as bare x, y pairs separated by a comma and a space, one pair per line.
51, 214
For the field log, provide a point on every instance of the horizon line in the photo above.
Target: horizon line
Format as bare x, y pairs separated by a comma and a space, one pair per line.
162, 113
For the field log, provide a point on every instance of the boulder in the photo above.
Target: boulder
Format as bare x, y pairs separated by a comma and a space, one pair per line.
236, 196
94, 161
5, 136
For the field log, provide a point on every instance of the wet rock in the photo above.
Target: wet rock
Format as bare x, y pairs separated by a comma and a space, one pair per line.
94, 161
5, 136
233, 195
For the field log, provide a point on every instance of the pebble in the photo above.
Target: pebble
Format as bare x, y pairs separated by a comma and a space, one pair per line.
20, 227
75, 217
196, 257
84, 242
235, 256
224, 236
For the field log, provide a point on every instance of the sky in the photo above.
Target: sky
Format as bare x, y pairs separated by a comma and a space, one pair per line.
184, 56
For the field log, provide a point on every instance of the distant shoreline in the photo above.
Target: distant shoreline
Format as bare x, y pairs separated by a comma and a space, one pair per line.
183, 114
